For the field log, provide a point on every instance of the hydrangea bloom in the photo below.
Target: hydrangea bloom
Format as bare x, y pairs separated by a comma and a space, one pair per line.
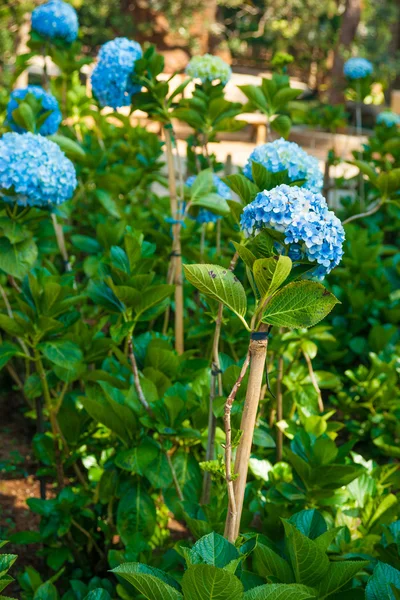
281, 155
311, 230
34, 171
206, 216
209, 68
56, 20
111, 77
357, 68
48, 102
388, 118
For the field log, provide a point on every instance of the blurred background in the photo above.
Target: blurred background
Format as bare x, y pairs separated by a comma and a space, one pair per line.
310, 39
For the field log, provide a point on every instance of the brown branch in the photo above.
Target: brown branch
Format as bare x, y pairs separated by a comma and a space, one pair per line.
314, 381
136, 378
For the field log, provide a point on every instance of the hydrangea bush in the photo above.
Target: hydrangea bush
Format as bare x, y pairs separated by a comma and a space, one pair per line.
357, 68
388, 118
206, 216
311, 230
48, 104
282, 155
56, 20
209, 68
111, 77
34, 171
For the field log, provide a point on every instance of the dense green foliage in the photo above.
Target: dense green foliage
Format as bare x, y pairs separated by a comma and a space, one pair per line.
130, 428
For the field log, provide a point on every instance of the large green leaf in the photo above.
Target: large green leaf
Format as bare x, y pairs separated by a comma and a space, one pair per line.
63, 353
270, 273
242, 186
279, 591
152, 583
309, 522
153, 296
6, 562
7, 351
281, 124
299, 304
136, 514
267, 562
205, 582
339, 573
220, 284
46, 591
17, 259
213, 202
379, 585
309, 563
214, 550
98, 594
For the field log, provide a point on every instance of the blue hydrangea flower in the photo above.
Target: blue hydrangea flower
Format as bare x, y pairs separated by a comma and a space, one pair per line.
311, 230
388, 118
48, 102
209, 68
206, 216
34, 171
56, 20
281, 155
357, 68
111, 77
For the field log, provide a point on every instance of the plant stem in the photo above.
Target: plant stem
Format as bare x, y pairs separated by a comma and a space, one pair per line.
218, 238
176, 257
90, 538
202, 241
174, 477
216, 376
279, 409
367, 213
58, 230
136, 378
232, 509
53, 421
258, 353
314, 382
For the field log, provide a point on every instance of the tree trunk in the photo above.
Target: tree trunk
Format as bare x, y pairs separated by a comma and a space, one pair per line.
348, 29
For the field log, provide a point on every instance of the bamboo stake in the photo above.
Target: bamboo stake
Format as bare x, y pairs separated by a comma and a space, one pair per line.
279, 409
58, 230
176, 256
258, 353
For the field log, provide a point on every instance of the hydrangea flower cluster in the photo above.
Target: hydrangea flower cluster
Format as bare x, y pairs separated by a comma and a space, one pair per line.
34, 171
206, 216
388, 118
357, 68
56, 20
48, 103
311, 230
111, 77
281, 155
209, 68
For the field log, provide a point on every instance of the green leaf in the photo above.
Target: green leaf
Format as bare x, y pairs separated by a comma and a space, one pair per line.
136, 514
281, 125
243, 187
309, 522
100, 293
379, 585
267, 562
299, 304
309, 563
24, 117
62, 353
220, 284
213, 202
255, 94
10, 325
70, 148
202, 185
98, 594
366, 169
338, 575
284, 96
245, 254
17, 259
6, 562
279, 591
214, 550
270, 273
46, 591
205, 582
153, 296
152, 583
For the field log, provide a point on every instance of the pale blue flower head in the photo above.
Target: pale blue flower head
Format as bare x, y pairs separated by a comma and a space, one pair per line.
206, 216
310, 230
56, 20
282, 155
388, 118
209, 68
357, 68
48, 103
34, 171
112, 76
